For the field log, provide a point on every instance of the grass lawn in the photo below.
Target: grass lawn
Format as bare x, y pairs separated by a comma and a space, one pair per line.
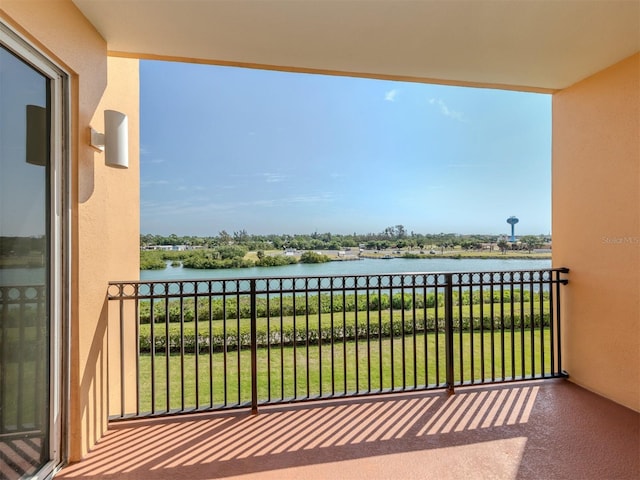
301, 371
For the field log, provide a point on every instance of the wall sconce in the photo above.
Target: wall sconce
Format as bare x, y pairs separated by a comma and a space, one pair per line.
37, 135
115, 139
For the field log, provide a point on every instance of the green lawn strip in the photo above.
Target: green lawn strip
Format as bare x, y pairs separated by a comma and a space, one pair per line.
414, 364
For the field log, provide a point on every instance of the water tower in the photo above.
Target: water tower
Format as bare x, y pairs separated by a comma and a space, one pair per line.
512, 221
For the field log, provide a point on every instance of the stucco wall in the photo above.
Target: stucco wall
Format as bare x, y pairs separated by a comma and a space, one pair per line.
596, 228
105, 213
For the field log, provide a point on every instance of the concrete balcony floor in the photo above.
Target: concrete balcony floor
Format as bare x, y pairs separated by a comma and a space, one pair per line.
539, 430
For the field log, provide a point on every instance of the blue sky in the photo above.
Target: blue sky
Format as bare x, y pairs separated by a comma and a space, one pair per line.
271, 152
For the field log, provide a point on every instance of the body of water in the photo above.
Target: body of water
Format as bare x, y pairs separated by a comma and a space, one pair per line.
355, 267
33, 276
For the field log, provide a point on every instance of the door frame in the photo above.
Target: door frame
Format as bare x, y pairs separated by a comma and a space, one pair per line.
59, 242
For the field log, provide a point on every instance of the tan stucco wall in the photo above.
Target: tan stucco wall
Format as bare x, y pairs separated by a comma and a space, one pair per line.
105, 212
596, 228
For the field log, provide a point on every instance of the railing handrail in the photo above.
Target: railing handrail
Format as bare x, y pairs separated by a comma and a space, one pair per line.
341, 275
438, 276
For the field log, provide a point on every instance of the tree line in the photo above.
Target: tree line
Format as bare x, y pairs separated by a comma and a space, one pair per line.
395, 236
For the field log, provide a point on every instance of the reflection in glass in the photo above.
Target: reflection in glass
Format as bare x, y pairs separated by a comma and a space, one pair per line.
24, 267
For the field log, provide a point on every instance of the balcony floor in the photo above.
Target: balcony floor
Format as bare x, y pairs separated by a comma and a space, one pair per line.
540, 430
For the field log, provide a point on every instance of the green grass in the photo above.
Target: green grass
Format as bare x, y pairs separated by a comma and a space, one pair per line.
373, 370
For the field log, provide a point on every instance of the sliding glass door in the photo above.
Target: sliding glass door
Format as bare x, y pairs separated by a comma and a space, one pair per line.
30, 254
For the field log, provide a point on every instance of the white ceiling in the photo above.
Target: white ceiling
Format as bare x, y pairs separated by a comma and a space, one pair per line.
526, 44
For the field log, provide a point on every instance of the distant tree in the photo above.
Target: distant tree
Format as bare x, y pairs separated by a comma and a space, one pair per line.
531, 242
313, 257
224, 237
231, 251
503, 245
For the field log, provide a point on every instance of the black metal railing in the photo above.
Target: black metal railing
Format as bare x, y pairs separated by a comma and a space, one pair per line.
246, 342
24, 356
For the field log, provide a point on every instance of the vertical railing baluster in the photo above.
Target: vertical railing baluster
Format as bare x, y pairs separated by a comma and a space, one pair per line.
211, 349
558, 336
196, 344
344, 335
4, 335
320, 389
532, 324
123, 408
380, 343
40, 365
368, 285
437, 328
426, 330
471, 331
306, 329
225, 345
552, 345
152, 348
493, 327
20, 353
522, 346
448, 331
268, 305
281, 341
460, 329
167, 348
355, 331
333, 353
414, 327
254, 347
295, 341
136, 317
403, 334
391, 341
481, 300
541, 303
502, 348
182, 350
513, 327
238, 342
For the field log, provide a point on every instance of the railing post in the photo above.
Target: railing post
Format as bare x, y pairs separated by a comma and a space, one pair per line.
448, 331
560, 281
254, 350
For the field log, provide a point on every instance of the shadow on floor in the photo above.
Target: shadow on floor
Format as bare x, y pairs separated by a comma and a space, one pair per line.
547, 429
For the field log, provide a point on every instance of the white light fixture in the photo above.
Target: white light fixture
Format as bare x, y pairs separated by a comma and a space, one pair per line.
115, 139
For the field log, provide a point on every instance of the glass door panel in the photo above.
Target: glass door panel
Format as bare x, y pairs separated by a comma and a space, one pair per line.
25, 236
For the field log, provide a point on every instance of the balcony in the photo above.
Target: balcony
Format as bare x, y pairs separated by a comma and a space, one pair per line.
548, 429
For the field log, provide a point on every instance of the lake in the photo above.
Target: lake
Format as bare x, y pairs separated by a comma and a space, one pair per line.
355, 267
368, 266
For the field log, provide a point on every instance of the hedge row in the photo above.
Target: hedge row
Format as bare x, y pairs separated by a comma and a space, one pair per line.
313, 304
230, 340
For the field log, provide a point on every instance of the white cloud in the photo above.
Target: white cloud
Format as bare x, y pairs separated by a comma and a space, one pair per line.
391, 95
151, 161
446, 111
274, 177
152, 183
